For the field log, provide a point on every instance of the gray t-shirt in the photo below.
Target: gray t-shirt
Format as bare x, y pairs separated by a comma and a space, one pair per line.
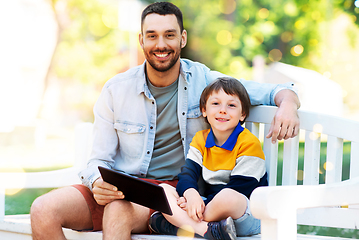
167, 156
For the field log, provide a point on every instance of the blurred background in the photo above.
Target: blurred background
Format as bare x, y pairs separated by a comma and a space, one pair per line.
55, 56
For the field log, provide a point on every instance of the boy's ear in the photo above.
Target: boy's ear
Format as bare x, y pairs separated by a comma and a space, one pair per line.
204, 112
242, 117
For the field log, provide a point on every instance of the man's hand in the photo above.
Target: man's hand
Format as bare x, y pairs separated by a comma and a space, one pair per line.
195, 205
285, 123
104, 192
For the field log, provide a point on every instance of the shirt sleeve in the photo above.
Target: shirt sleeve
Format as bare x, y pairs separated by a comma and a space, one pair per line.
104, 134
190, 172
259, 93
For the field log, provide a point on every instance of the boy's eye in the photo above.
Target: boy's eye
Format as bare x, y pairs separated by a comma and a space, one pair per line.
215, 103
232, 105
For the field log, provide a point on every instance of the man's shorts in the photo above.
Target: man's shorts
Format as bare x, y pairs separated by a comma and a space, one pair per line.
97, 210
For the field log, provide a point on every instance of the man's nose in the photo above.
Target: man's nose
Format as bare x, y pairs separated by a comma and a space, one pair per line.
161, 43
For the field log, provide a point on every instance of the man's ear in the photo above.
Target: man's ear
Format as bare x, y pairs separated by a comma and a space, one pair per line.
184, 38
140, 39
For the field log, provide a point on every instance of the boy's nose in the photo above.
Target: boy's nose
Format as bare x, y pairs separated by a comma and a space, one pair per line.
223, 109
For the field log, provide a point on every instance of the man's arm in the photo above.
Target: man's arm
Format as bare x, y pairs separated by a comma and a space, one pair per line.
285, 123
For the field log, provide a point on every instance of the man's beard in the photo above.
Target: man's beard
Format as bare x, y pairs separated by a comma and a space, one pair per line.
163, 67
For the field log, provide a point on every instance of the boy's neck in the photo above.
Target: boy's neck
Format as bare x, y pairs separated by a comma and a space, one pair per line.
221, 138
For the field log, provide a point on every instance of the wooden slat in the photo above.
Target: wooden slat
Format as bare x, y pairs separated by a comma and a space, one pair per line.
354, 159
311, 158
253, 128
271, 153
290, 161
334, 160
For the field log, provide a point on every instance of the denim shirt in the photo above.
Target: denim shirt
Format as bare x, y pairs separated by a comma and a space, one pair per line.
125, 117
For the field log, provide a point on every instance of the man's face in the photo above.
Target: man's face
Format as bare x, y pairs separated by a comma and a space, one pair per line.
161, 40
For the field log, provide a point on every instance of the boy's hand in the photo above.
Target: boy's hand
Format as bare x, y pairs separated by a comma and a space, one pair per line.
104, 192
195, 205
182, 203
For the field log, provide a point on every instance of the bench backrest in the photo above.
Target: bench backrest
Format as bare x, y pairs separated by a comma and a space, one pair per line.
319, 132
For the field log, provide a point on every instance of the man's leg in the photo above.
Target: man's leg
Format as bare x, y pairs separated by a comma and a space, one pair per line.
63, 207
121, 218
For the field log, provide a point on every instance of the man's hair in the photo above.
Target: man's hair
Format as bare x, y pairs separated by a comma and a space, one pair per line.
163, 8
230, 86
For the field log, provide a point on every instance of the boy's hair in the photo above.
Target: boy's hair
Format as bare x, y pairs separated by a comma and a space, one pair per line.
163, 8
231, 86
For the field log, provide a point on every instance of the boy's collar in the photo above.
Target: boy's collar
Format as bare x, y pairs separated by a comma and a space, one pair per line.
230, 142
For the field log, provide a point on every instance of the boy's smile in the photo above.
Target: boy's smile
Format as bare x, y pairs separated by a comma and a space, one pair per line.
223, 113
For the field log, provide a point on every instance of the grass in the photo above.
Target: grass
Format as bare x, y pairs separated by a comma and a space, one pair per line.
20, 203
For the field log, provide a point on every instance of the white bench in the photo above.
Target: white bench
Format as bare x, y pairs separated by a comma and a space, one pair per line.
280, 208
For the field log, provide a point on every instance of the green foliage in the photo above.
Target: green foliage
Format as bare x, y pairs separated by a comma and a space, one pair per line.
226, 35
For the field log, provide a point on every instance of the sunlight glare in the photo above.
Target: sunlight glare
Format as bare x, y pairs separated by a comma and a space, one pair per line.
186, 231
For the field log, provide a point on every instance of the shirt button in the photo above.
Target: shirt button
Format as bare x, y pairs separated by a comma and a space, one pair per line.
148, 152
183, 113
185, 88
151, 127
153, 102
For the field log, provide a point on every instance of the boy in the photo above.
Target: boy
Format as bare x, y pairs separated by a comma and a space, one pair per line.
231, 162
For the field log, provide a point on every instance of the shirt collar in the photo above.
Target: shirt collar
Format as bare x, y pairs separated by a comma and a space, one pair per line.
230, 142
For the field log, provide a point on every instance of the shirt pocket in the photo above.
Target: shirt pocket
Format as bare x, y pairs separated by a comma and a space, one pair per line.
131, 138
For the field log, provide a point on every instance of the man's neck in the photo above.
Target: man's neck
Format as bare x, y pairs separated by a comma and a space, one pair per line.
163, 79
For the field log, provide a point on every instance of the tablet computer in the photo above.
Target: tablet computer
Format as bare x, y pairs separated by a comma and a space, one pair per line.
137, 190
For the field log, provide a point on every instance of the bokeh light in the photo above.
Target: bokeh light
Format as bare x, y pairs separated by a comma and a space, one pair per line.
286, 36
227, 6
263, 13
236, 66
297, 50
185, 231
258, 38
327, 74
300, 24
275, 55
291, 9
110, 17
300, 175
318, 128
224, 37
328, 166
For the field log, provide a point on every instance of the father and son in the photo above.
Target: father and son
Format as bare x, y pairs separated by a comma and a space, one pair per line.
171, 121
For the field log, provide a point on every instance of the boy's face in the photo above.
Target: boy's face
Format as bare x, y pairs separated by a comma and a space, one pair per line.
223, 113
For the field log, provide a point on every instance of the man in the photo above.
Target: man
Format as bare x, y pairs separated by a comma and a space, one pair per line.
145, 119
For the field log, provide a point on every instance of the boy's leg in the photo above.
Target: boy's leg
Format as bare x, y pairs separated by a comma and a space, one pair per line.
64, 207
227, 202
180, 217
247, 225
